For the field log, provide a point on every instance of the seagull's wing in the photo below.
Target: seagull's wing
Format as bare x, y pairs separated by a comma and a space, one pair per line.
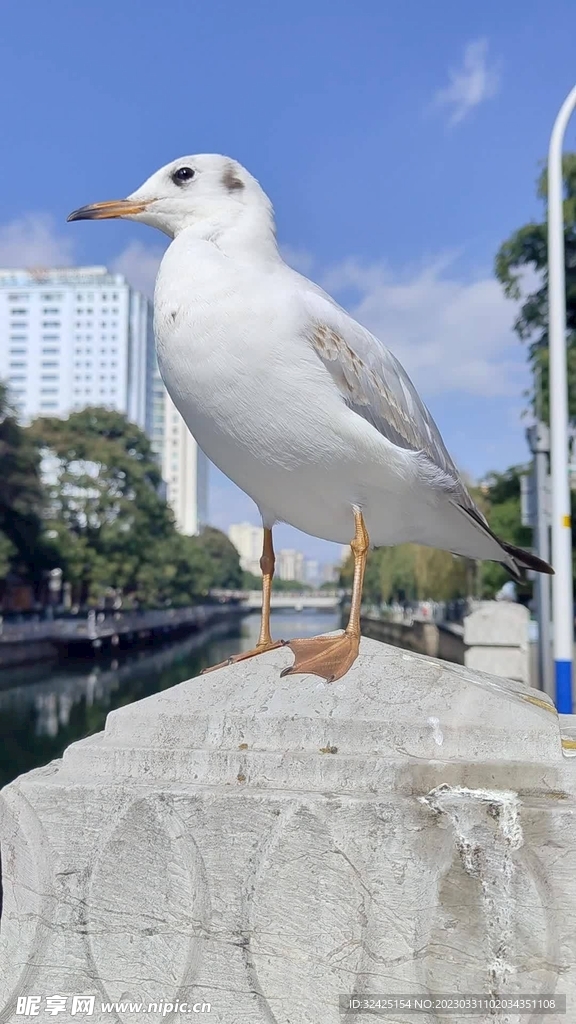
374, 385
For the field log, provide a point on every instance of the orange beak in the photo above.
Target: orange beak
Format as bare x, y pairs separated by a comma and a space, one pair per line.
105, 211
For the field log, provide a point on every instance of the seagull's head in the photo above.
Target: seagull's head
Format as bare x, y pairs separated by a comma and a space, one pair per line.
208, 192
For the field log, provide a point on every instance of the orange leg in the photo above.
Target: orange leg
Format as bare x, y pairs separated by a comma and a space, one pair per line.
265, 641
332, 656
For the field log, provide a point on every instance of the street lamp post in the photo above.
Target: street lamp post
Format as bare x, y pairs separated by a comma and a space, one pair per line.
538, 517
562, 605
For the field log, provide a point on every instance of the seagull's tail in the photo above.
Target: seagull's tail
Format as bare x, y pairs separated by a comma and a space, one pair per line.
515, 558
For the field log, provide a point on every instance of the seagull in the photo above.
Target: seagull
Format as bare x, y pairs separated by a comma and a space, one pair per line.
297, 403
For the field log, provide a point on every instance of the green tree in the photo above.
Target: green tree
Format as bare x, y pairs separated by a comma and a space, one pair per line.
106, 515
522, 268
411, 572
502, 498
224, 558
8, 555
21, 496
182, 572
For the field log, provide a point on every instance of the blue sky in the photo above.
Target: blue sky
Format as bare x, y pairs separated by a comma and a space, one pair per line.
399, 143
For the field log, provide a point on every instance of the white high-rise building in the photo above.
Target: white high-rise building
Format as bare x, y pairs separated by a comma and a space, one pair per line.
247, 540
81, 336
74, 337
290, 565
184, 466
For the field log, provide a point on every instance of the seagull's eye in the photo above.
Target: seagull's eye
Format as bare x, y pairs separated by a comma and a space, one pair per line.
182, 175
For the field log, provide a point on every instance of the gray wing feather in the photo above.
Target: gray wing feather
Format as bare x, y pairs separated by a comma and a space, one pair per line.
375, 386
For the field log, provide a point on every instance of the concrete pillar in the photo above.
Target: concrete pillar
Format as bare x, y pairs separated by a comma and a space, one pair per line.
265, 845
497, 640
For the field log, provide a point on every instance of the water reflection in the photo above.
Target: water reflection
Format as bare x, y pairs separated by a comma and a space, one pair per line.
44, 708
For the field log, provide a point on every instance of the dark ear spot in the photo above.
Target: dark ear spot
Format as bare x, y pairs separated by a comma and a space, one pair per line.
230, 179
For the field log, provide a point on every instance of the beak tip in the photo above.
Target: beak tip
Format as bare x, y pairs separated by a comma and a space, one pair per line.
83, 213
108, 210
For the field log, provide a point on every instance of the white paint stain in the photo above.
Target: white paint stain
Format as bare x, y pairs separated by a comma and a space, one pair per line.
434, 723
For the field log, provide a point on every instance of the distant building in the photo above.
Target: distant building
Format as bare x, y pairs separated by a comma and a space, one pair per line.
74, 337
81, 336
331, 573
247, 540
311, 572
184, 465
290, 565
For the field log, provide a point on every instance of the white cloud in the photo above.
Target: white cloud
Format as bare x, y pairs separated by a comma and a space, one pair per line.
33, 241
450, 335
470, 84
139, 263
300, 259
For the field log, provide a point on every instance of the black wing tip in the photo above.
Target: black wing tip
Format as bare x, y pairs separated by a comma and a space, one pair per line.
520, 558
526, 560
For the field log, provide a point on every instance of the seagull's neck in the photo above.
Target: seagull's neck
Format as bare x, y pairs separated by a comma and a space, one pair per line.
251, 235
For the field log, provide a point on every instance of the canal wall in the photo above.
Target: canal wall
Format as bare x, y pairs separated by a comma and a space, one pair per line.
444, 641
274, 846
494, 638
27, 643
21, 653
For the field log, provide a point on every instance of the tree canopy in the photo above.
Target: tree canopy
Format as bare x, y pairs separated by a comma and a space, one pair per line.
411, 572
522, 268
502, 508
85, 494
21, 496
225, 559
105, 511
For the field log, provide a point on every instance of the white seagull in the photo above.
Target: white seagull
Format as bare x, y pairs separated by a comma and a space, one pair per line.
296, 402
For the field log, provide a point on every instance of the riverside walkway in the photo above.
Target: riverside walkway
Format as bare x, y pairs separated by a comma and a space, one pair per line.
27, 640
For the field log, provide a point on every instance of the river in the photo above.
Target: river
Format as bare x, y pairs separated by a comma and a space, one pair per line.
44, 708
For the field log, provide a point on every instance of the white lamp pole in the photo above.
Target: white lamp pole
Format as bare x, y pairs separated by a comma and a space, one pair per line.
562, 605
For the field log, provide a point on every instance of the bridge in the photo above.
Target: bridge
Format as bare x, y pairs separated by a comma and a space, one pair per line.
321, 600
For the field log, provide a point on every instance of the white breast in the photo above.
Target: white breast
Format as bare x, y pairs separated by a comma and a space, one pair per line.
222, 340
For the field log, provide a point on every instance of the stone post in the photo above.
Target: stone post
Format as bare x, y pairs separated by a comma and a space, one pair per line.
265, 845
497, 640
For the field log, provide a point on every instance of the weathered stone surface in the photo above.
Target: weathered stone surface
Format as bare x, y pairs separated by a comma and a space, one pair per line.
264, 844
